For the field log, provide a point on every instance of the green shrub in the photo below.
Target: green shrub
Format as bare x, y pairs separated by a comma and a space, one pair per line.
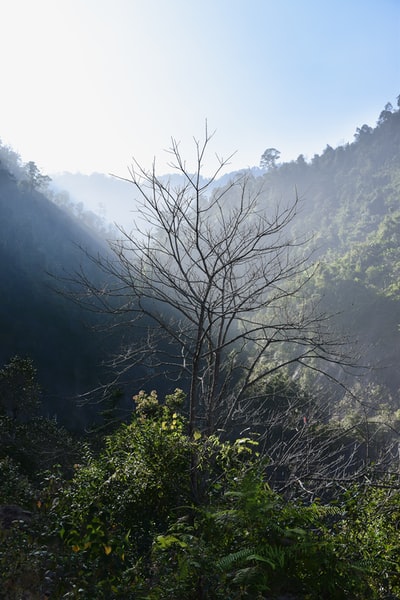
157, 515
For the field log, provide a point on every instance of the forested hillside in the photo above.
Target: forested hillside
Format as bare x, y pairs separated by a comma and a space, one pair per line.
40, 246
350, 204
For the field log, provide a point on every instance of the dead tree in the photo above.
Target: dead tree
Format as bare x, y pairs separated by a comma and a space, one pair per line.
214, 283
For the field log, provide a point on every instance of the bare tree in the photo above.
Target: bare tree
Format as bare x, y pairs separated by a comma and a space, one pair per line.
215, 286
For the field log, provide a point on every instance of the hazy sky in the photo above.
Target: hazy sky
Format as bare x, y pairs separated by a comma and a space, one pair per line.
87, 84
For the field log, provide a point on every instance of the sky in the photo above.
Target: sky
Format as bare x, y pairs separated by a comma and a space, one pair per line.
88, 85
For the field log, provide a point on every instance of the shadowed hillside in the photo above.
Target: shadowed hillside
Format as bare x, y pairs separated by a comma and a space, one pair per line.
39, 243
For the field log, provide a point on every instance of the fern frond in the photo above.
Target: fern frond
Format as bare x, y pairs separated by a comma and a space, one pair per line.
227, 562
263, 559
222, 516
275, 555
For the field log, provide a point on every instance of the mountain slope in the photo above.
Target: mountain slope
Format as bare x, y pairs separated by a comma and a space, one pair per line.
350, 204
38, 244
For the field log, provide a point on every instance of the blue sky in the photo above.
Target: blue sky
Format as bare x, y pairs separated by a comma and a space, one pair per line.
88, 84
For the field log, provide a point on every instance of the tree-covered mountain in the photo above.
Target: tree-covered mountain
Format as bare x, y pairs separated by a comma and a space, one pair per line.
350, 205
40, 246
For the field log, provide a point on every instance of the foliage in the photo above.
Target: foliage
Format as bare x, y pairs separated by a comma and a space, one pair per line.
370, 530
15, 486
34, 179
19, 389
38, 445
251, 543
117, 500
269, 158
130, 524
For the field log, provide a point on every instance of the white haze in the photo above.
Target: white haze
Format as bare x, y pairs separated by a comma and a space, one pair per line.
112, 198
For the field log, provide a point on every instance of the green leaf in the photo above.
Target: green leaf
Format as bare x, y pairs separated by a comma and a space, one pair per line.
166, 541
260, 558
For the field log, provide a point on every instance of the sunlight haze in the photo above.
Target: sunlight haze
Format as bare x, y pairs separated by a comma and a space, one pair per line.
88, 84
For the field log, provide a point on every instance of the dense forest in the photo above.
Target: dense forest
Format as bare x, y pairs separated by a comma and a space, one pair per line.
263, 309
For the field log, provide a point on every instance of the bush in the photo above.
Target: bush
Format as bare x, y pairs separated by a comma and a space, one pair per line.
254, 544
157, 515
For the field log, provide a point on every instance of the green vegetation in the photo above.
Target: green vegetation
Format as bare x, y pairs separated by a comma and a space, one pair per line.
149, 512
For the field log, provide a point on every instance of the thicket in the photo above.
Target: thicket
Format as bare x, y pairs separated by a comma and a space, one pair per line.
150, 512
